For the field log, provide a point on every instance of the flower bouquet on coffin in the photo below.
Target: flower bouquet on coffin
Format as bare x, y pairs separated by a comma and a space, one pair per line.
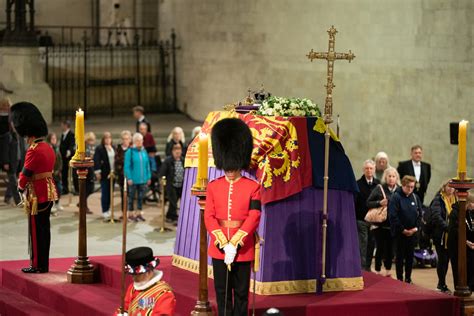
279, 106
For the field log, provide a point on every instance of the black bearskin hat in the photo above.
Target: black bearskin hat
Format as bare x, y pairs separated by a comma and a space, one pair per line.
28, 121
232, 144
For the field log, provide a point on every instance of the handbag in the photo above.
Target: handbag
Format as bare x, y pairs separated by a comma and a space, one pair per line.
377, 214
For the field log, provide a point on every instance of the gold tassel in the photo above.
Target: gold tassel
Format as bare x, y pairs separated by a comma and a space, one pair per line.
256, 263
34, 206
26, 206
52, 193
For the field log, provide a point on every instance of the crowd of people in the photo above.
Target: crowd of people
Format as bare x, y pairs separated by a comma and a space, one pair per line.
393, 219
403, 221
134, 158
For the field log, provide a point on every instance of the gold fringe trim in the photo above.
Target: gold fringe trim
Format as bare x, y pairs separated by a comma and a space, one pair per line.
190, 265
281, 287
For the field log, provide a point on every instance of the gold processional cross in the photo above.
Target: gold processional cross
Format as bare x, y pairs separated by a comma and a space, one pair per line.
330, 56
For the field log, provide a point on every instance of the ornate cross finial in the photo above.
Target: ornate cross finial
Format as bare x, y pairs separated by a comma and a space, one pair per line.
330, 56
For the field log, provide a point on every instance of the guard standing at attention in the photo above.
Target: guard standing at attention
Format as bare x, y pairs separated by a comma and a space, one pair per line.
36, 184
232, 215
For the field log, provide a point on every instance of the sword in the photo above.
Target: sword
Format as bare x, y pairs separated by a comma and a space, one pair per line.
163, 227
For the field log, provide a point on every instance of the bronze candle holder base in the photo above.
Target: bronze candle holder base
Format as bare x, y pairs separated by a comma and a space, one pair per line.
462, 184
82, 271
202, 307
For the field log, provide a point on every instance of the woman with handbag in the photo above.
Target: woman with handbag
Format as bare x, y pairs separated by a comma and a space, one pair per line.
377, 215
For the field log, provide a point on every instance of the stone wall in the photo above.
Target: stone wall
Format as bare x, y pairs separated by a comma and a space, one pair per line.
22, 72
413, 73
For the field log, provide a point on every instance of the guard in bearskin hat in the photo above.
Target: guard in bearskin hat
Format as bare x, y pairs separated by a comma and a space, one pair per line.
36, 183
148, 295
232, 215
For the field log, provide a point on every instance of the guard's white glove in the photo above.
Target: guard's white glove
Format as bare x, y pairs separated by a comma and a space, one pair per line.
230, 253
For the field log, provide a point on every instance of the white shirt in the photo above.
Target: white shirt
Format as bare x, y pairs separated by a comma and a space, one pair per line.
111, 156
417, 168
141, 118
65, 133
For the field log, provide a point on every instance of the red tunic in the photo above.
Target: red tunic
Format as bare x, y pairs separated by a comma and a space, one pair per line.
232, 215
39, 160
155, 300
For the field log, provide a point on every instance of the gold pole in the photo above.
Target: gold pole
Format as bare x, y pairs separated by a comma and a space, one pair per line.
163, 228
325, 199
124, 245
112, 206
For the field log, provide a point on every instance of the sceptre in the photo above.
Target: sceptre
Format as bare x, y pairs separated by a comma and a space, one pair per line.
124, 246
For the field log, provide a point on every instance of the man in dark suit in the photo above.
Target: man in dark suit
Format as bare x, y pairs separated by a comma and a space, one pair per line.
15, 151
418, 169
139, 115
366, 241
66, 148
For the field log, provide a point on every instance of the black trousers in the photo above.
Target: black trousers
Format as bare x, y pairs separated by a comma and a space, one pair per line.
370, 249
40, 236
384, 252
173, 195
12, 185
405, 253
238, 282
443, 261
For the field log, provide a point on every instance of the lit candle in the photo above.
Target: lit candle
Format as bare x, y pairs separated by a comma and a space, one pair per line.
202, 159
462, 140
79, 130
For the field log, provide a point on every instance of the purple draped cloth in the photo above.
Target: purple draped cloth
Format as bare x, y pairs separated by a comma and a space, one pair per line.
291, 229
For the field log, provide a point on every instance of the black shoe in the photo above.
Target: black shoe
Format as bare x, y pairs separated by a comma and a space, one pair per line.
443, 289
33, 270
409, 281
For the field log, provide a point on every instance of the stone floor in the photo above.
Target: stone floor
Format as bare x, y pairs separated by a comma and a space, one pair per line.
103, 238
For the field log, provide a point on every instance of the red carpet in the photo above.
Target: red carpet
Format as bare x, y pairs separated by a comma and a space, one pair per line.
50, 294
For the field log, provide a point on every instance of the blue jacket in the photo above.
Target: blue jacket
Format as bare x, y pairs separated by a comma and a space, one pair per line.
137, 165
404, 211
